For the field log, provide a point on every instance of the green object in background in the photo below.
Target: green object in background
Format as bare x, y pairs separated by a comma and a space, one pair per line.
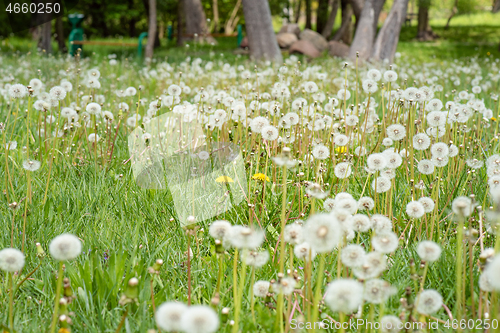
76, 33
139, 44
240, 34
170, 32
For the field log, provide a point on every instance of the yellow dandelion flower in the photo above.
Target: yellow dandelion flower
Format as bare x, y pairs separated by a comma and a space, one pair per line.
341, 149
260, 176
63, 330
493, 118
224, 179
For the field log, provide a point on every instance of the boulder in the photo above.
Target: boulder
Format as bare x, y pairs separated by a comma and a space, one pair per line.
315, 39
290, 28
338, 49
304, 47
286, 39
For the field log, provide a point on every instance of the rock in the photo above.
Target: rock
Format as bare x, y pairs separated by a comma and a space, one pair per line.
244, 42
290, 28
304, 47
286, 39
314, 38
338, 49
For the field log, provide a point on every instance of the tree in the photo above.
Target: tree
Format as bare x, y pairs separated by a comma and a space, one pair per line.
388, 37
196, 21
327, 30
46, 32
151, 29
424, 30
366, 29
308, 14
496, 6
344, 33
260, 33
321, 15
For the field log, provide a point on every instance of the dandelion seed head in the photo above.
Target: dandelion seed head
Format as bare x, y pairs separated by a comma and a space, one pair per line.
11, 260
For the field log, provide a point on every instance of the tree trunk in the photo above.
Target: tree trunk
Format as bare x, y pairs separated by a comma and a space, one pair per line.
233, 20
259, 29
454, 11
196, 21
344, 33
215, 8
424, 31
61, 42
46, 33
180, 22
151, 29
366, 30
327, 30
321, 15
156, 35
357, 7
297, 12
308, 14
388, 37
496, 6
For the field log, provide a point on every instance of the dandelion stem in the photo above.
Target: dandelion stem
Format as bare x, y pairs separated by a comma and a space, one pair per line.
58, 295
317, 294
11, 302
240, 289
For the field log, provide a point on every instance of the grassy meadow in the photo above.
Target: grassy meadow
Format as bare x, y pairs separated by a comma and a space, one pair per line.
372, 191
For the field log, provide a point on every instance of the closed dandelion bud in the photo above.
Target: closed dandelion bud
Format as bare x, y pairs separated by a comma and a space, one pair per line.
39, 251
63, 306
67, 292
157, 265
413, 272
224, 315
218, 247
64, 322
132, 291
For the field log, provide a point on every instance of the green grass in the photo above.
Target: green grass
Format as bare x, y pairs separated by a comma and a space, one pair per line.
125, 228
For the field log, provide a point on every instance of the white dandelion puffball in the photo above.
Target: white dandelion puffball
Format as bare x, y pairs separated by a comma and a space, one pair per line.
428, 251
376, 161
462, 206
353, 255
386, 242
93, 108
269, 133
390, 324
342, 170
321, 152
93, 137
65, 247
396, 132
429, 301
200, 319
58, 93
31, 165
415, 209
378, 291
304, 251
168, 316
293, 234
244, 237
261, 288
493, 272
426, 167
18, 90
219, 229
11, 260
344, 295
322, 232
